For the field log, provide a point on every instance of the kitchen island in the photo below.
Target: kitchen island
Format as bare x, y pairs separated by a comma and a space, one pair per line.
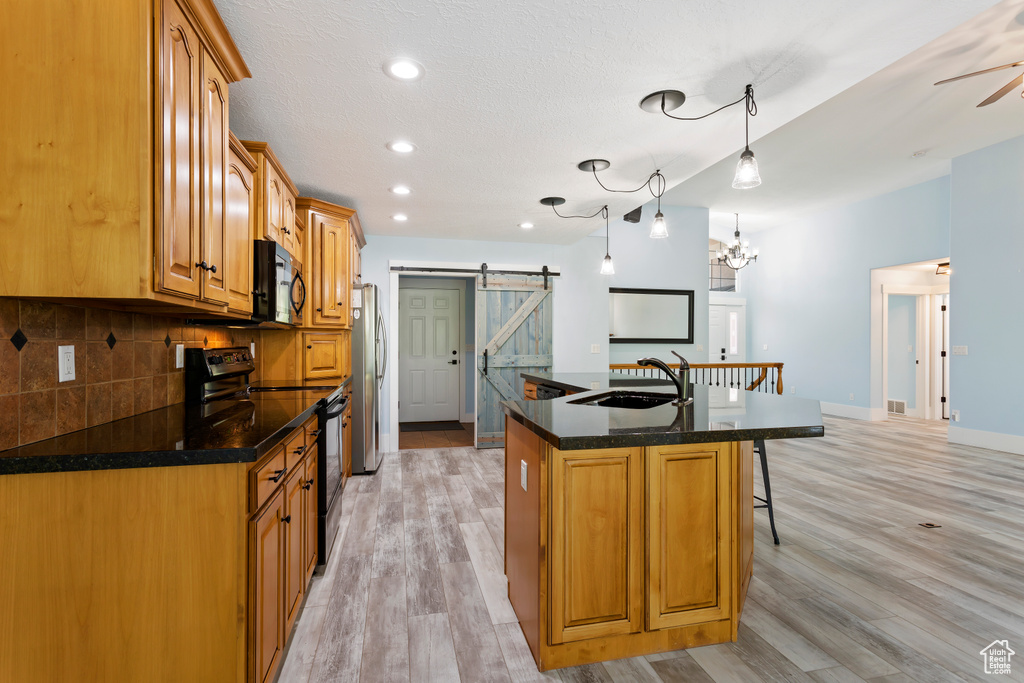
630, 531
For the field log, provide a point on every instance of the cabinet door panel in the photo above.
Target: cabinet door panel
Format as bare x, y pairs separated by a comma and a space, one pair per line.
214, 137
267, 606
179, 225
288, 225
294, 565
596, 543
331, 286
310, 487
238, 215
323, 355
274, 204
688, 554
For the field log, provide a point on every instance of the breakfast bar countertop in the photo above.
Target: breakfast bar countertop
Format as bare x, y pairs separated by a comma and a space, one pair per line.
716, 414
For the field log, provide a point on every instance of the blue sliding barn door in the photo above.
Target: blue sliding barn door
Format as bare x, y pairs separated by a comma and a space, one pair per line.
513, 327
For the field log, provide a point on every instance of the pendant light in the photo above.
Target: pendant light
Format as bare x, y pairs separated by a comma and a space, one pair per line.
658, 228
747, 175
607, 267
739, 254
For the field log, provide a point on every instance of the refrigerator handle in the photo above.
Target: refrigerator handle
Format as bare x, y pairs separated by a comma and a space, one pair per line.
382, 349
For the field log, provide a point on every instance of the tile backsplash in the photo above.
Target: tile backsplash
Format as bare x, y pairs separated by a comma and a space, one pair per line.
124, 365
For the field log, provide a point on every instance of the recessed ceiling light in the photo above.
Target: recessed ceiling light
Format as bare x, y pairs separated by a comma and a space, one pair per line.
400, 189
400, 217
404, 69
526, 226
401, 146
918, 154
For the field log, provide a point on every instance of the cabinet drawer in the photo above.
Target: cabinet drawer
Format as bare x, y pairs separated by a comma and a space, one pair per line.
266, 477
294, 449
530, 391
312, 430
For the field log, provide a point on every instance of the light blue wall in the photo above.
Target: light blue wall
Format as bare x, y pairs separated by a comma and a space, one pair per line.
581, 293
902, 334
809, 292
987, 287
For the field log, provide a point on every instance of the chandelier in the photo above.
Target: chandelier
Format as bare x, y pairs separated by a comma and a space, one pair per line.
739, 254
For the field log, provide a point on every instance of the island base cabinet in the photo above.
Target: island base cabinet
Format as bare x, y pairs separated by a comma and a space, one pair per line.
613, 553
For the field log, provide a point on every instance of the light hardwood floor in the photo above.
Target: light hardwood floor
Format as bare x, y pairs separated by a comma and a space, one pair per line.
857, 590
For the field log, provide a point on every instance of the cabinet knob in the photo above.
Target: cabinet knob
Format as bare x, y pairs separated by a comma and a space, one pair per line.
339, 303
287, 520
213, 269
308, 485
319, 310
309, 346
286, 231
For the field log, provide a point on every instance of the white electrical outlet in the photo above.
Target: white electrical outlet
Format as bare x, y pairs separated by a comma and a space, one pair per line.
595, 348
765, 347
522, 474
700, 347
851, 396
959, 350
594, 386
65, 363
955, 414
179, 355
792, 390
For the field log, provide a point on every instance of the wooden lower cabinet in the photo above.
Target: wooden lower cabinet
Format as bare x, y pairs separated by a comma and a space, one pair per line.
309, 519
267, 547
636, 550
294, 565
597, 544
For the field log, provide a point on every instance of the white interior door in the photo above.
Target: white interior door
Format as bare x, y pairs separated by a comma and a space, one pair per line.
428, 355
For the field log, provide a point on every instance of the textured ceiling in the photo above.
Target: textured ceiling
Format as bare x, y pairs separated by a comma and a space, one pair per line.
516, 93
862, 142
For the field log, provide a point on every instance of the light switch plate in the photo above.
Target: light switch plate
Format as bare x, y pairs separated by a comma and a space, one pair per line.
851, 397
179, 355
594, 386
595, 348
955, 414
522, 474
65, 363
252, 349
959, 350
765, 347
700, 347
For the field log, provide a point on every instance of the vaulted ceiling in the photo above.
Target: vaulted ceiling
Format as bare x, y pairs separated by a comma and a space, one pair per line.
516, 93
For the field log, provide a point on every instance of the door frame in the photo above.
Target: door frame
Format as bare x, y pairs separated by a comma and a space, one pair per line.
879, 363
446, 283
468, 269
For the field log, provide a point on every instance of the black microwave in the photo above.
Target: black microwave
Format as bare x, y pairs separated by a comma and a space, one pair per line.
279, 292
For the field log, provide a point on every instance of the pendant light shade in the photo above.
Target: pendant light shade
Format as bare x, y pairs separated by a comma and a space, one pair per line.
607, 267
747, 175
658, 228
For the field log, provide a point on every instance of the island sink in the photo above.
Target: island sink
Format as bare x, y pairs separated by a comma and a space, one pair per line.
624, 399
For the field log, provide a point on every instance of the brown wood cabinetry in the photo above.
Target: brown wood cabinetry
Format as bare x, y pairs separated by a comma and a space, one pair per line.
334, 236
627, 551
597, 544
346, 425
294, 560
126, 195
275, 198
266, 609
309, 505
239, 212
324, 355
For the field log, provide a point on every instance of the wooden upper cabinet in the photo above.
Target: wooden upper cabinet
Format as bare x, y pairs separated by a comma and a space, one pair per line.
180, 232
324, 354
214, 135
688, 555
328, 228
357, 242
596, 544
239, 214
114, 161
275, 198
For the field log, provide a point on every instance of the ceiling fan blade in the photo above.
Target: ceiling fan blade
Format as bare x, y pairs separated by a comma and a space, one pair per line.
983, 71
1002, 91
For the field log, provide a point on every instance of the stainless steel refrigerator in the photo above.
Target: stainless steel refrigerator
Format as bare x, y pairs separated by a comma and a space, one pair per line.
369, 362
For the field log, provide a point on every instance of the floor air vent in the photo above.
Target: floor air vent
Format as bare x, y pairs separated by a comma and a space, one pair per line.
897, 407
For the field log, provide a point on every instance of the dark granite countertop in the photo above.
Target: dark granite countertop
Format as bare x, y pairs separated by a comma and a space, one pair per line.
226, 431
716, 414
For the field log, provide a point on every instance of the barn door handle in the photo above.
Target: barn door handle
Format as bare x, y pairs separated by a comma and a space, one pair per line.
485, 361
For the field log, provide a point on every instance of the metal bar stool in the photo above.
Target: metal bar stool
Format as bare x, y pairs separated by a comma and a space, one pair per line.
766, 502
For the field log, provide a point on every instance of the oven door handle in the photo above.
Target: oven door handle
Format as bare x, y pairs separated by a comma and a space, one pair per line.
333, 414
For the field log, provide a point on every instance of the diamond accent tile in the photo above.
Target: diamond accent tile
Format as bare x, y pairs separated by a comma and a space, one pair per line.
19, 339
111, 340
167, 341
206, 342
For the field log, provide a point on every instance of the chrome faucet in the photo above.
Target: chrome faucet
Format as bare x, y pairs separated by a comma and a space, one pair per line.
682, 380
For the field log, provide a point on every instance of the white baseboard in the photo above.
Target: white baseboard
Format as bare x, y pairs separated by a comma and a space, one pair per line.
996, 441
854, 412
468, 417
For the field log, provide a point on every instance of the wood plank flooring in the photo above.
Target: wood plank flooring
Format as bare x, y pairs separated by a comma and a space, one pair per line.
857, 591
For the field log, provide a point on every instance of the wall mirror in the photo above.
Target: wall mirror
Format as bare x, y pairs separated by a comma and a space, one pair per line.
638, 316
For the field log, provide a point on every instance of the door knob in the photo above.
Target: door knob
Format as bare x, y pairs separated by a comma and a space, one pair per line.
453, 362
723, 357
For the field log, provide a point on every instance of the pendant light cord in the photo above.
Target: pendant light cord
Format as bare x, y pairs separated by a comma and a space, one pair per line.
596, 213
656, 175
748, 97
607, 230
